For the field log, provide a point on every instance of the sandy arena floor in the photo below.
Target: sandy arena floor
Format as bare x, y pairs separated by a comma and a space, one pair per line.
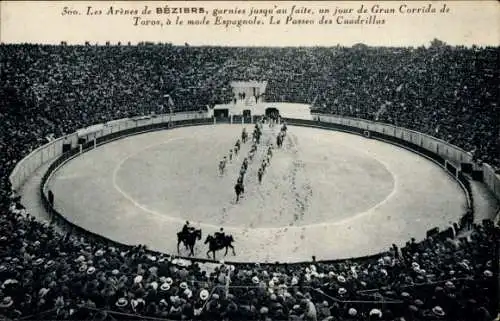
328, 194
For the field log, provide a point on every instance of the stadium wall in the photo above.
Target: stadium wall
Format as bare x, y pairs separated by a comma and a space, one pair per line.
452, 155
52, 150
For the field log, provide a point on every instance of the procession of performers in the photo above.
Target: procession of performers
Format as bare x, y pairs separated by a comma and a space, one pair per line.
239, 187
219, 241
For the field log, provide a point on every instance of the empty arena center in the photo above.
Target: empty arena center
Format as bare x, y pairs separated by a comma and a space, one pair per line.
152, 181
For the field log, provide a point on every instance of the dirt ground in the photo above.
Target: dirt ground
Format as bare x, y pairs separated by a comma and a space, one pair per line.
325, 193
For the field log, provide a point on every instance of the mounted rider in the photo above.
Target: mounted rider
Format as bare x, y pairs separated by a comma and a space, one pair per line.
220, 236
187, 228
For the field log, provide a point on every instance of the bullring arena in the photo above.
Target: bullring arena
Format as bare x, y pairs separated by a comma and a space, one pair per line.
325, 193
374, 204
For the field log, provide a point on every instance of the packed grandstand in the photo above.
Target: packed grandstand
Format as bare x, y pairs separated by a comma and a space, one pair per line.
47, 91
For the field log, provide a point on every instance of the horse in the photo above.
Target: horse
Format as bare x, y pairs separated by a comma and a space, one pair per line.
214, 245
239, 189
189, 240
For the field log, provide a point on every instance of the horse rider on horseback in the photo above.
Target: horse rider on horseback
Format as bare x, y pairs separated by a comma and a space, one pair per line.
186, 229
219, 236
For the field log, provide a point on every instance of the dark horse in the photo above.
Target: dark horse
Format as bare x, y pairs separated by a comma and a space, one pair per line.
189, 240
215, 245
239, 189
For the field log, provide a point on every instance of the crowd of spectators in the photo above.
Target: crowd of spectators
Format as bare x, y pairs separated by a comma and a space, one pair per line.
451, 93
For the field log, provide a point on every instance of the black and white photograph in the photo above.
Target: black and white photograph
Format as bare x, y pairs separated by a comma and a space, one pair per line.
250, 160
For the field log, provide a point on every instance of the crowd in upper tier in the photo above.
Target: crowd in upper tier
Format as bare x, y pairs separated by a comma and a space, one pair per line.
448, 92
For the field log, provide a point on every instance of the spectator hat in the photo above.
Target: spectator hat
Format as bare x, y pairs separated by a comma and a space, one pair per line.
352, 312
169, 281
138, 279
154, 285
165, 286
91, 270
115, 272
6, 302
204, 294
255, 280
342, 291
43, 292
376, 312
183, 285
9, 281
38, 261
488, 273
341, 279
122, 302
49, 264
437, 310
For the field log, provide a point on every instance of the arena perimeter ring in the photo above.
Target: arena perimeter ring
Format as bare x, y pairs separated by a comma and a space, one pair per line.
326, 193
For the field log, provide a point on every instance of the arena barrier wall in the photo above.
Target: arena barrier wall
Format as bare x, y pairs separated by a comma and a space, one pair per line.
459, 158
117, 129
40, 156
